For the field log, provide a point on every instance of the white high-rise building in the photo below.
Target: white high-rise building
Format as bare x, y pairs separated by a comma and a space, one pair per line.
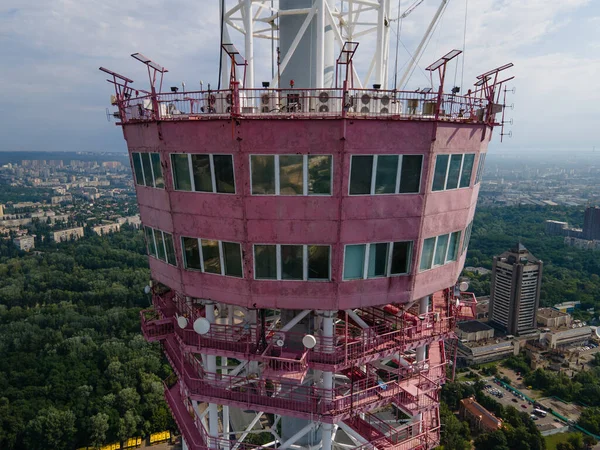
515, 290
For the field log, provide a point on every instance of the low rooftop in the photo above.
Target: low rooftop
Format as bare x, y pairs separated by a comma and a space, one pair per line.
473, 326
550, 313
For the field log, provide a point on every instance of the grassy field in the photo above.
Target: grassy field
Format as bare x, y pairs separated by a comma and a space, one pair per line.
555, 439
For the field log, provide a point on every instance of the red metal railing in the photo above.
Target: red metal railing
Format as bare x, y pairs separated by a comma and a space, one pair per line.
387, 335
154, 328
305, 103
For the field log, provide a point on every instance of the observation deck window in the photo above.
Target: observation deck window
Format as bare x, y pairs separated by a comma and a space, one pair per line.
480, 168
467, 237
292, 262
160, 245
382, 259
291, 174
385, 174
203, 173
439, 250
452, 171
212, 256
147, 169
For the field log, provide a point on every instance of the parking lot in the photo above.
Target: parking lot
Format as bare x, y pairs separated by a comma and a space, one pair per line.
506, 398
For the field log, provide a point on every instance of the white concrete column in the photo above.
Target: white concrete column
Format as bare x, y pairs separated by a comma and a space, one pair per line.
211, 369
183, 444
327, 334
423, 309
249, 44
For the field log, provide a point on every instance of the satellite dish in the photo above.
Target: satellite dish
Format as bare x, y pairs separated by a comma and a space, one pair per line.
182, 322
279, 342
463, 286
147, 289
598, 332
201, 325
309, 341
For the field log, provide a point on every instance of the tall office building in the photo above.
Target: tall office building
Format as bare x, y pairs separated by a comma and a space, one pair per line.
515, 292
591, 223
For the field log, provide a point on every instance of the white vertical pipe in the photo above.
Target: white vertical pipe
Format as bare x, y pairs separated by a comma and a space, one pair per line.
423, 309
379, 48
226, 427
386, 47
328, 49
320, 53
211, 368
327, 333
249, 47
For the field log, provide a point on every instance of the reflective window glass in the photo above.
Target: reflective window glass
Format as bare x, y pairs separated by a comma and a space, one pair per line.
211, 256
439, 176
159, 181
454, 171
400, 258
137, 168
354, 261
263, 174
378, 256
224, 173
360, 174
191, 253
318, 262
181, 172
385, 174
147, 166
290, 174
160, 246
319, 174
265, 262
150, 241
232, 257
440, 250
202, 175
427, 254
168, 237
292, 262
467, 170
410, 175
453, 246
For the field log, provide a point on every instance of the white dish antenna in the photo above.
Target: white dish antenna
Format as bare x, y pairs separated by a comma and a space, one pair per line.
182, 322
201, 325
598, 332
279, 342
463, 286
147, 289
309, 341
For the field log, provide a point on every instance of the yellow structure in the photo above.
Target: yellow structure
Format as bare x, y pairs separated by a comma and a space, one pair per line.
160, 437
132, 442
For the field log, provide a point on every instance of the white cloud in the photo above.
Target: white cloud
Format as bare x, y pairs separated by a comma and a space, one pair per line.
51, 51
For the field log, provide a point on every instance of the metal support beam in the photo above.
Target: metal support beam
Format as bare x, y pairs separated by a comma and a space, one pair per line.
297, 436
249, 44
357, 319
247, 430
288, 326
423, 309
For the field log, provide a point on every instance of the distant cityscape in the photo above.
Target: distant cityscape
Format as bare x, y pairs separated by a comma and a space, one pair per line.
71, 194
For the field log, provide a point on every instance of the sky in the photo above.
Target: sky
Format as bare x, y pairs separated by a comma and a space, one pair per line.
55, 98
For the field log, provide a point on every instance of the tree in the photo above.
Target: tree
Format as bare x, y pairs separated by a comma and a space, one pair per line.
496, 440
51, 429
455, 434
98, 428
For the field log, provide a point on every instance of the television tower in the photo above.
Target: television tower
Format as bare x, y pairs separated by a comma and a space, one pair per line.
306, 236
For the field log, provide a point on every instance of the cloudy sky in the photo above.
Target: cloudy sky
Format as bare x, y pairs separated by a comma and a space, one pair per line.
55, 98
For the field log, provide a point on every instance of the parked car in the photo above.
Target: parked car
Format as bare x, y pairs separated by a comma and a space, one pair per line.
524, 406
515, 400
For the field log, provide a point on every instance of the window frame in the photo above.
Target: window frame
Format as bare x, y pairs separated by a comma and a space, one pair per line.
374, 174
460, 172
480, 168
152, 169
466, 237
305, 176
305, 263
201, 255
212, 173
388, 269
166, 260
446, 253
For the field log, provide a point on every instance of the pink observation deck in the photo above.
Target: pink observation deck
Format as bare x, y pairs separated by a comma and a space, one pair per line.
310, 242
